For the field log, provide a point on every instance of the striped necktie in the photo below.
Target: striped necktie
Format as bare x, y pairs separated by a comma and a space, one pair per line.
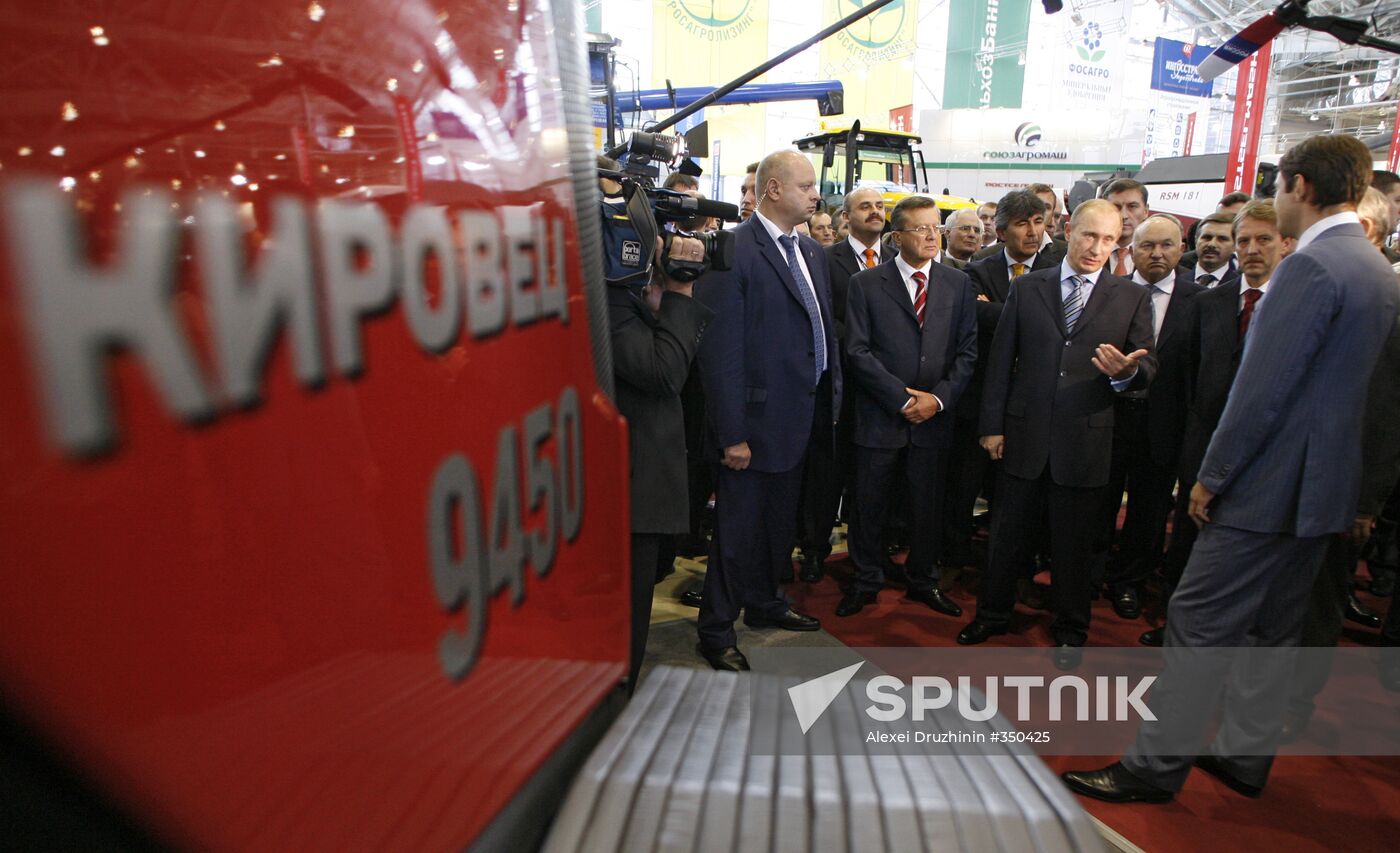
1074, 303
809, 302
920, 296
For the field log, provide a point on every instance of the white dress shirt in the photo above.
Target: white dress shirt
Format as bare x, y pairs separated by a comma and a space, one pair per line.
1323, 224
1263, 291
1219, 274
1127, 260
859, 248
1011, 262
775, 233
1161, 294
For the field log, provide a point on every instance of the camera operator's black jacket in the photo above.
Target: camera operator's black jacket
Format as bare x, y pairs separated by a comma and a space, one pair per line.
651, 359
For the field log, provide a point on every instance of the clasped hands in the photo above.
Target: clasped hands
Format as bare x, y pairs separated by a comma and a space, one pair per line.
921, 406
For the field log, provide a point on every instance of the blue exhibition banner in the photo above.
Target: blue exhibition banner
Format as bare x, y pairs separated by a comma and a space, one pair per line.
1174, 70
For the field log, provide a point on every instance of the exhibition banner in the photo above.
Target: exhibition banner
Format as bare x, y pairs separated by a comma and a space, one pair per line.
986, 53
873, 58
1249, 115
1090, 56
706, 42
1174, 70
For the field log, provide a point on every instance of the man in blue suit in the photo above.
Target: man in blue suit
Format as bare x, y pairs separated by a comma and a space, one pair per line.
1281, 473
911, 343
772, 378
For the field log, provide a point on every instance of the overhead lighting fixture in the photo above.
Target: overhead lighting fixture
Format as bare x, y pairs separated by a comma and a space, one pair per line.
67, 182
237, 180
392, 84
315, 11
70, 111
220, 126
24, 151
99, 36
272, 61
280, 157
58, 151
199, 153
346, 132
418, 66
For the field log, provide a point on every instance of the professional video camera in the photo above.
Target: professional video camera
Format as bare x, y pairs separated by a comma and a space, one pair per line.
631, 226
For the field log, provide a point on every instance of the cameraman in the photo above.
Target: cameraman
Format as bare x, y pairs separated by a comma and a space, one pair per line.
656, 330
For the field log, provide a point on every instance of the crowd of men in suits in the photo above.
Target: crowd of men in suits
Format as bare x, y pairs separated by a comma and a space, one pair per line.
915, 365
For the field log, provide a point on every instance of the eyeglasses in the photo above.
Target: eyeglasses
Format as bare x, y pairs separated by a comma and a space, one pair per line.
922, 230
967, 228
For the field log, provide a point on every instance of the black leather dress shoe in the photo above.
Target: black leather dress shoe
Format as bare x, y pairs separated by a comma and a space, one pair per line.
691, 599
854, 602
1067, 657
978, 632
1215, 767
1126, 604
1360, 613
789, 620
811, 570
1114, 784
935, 599
1155, 638
728, 659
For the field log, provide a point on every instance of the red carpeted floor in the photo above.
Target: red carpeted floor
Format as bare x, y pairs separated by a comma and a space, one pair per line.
1311, 803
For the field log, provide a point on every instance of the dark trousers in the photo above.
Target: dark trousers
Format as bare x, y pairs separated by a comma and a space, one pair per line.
1327, 607
1240, 588
967, 470
755, 519
878, 472
821, 491
645, 548
1149, 488
1184, 532
1020, 504
755, 524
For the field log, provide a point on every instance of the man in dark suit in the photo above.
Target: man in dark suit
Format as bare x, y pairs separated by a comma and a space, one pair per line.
655, 333
1070, 339
1147, 425
828, 474
772, 382
1020, 223
1280, 475
1213, 262
911, 342
1130, 197
1049, 246
1214, 341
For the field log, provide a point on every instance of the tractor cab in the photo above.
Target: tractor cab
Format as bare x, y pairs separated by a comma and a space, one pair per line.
890, 161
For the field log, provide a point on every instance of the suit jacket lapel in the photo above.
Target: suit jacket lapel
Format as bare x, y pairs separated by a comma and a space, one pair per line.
893, 285
1001, 278
846, 257
773, 253
938, 303
1049, 289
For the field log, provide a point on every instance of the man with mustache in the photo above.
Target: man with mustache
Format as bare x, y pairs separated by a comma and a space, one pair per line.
1070, 339
1214, 258
864, 210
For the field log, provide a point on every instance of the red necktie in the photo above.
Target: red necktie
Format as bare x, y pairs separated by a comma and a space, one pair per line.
920, 296
869, 258
1120, 263
1251, 296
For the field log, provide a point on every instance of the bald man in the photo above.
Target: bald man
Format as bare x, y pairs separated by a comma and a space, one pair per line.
772, 380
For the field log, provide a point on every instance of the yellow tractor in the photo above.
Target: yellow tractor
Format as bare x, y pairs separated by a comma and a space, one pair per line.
887, 160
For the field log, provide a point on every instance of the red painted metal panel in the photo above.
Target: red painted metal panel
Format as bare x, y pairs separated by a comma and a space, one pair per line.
232, 622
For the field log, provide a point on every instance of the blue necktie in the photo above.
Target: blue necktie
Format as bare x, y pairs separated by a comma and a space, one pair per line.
1074, 304
809, 301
